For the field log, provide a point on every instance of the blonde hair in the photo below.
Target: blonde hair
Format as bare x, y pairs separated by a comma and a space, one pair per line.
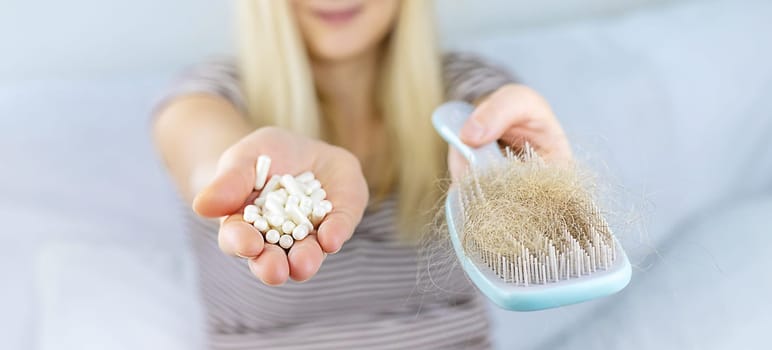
279, 90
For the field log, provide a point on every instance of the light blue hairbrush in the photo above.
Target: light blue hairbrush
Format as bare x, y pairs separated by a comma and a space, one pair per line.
573, 271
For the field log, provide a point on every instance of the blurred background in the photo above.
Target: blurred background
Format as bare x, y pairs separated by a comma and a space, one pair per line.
670, 99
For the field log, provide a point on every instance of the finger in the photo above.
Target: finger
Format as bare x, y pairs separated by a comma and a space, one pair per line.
494, 116
271, 266
348, 192
305, 258
336, 229
237, 237
230, 188
552, 146
516, 137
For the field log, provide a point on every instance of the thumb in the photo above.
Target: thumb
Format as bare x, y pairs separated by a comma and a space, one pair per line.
494, 116
229, 190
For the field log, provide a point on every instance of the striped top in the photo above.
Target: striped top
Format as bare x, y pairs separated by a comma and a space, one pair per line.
377, 292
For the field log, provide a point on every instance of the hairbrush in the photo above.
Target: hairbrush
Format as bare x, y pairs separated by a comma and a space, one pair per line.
571, 267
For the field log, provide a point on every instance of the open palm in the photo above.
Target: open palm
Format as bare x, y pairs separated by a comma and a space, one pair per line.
339, 172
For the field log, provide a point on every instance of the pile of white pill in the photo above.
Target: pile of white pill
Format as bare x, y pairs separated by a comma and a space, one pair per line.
288, 207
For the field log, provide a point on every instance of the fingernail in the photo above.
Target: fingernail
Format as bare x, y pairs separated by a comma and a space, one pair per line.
475, 131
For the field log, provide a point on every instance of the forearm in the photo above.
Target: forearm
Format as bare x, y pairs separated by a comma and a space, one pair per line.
191, 132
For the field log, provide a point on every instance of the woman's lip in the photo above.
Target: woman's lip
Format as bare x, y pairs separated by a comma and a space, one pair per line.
338, 16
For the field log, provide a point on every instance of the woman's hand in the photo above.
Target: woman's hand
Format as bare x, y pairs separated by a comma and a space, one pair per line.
339, 172
512, 115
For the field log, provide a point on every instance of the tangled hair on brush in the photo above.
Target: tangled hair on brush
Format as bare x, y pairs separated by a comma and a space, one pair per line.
541, 212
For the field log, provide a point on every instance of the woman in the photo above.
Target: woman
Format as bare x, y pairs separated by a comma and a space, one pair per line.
344, 89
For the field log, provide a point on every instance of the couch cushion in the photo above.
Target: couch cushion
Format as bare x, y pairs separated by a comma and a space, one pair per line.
673, 106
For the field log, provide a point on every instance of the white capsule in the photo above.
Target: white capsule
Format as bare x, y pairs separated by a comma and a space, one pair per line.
261, 224
305, 209
326, 205
286, 241
293, 201
305, 177
270, 186
292, 186
300, 232
250, 216
297, 216
288, 226
312, 186
272, 236
306, 201
261, 171
275, 220
259, 201
317, 215
283, 193
287, 208
318, 195
277, 196
273, 206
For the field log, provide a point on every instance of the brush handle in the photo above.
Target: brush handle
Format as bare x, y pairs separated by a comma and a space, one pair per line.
448, 119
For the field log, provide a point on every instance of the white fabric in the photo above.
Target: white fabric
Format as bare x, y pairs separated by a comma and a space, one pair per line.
674, 103
470, 19
709, 288
677, 103
139, 302
106, 38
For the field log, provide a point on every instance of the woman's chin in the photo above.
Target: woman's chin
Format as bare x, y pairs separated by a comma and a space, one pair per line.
339, 50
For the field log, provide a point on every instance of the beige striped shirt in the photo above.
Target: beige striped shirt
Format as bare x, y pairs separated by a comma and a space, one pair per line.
376, 293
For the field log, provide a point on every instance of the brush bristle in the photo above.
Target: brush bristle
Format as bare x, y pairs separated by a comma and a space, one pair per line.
533, 222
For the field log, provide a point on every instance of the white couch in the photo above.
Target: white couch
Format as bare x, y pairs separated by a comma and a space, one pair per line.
673, 104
